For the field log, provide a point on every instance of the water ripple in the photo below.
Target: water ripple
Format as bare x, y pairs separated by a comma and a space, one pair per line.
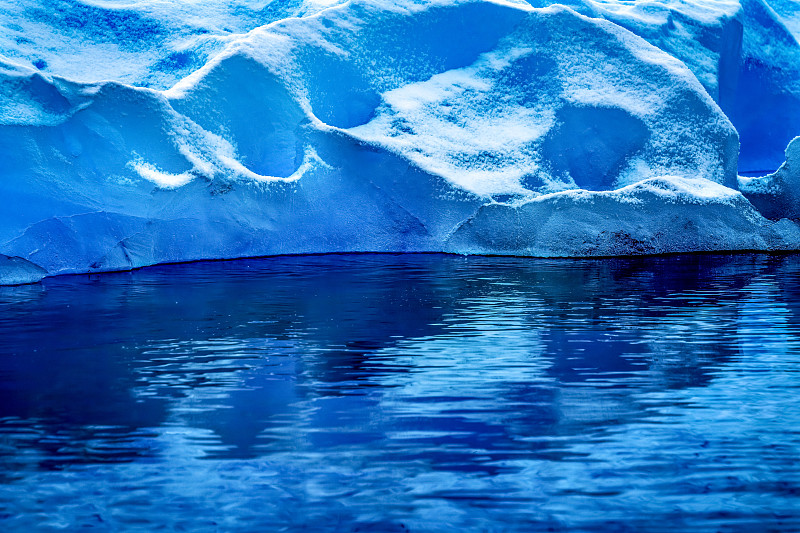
405, 393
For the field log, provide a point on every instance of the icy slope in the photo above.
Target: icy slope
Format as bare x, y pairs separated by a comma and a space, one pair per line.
18, 271
789, 13
461, 126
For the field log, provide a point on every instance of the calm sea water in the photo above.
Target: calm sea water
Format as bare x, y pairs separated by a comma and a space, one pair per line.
405, 393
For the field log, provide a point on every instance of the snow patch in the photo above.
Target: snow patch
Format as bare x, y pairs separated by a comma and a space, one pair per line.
163, 179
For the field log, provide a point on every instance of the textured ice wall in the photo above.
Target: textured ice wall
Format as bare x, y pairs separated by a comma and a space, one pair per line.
659, 215
457, 126
18, 271
777, 195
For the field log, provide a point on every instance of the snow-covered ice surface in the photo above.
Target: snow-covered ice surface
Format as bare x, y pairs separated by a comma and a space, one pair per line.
744, 52
151, 43
141, 132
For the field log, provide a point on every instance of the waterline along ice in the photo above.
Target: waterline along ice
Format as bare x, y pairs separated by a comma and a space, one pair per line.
149, 132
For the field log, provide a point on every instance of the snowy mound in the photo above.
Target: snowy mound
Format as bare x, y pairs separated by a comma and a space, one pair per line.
18, 271
537, 114
467, 126
746, 54
655, 216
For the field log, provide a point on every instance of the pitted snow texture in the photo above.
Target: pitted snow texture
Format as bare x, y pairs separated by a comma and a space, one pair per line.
171, 131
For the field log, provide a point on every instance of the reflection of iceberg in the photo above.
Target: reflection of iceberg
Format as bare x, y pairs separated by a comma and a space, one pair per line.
461, 126
266, 345
328, 382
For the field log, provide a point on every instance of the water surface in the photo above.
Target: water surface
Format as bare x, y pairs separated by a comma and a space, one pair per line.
405, 393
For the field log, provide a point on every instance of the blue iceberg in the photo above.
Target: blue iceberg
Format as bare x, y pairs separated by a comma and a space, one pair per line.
18, 271
160, 132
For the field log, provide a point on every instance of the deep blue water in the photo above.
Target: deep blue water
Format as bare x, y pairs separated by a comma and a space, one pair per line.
405, 392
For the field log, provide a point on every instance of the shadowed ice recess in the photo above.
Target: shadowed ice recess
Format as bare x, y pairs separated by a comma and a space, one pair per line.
153, 132
405, 393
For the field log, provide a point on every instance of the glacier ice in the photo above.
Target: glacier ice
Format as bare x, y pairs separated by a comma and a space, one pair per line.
654, 216
777, 195
158, 131
19, 271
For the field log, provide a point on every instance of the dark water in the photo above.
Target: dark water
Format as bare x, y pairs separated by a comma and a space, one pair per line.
394, 393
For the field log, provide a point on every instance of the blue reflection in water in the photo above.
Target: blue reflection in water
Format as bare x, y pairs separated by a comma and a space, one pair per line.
405, 392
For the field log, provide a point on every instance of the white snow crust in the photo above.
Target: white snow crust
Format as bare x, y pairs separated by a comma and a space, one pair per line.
141, 132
